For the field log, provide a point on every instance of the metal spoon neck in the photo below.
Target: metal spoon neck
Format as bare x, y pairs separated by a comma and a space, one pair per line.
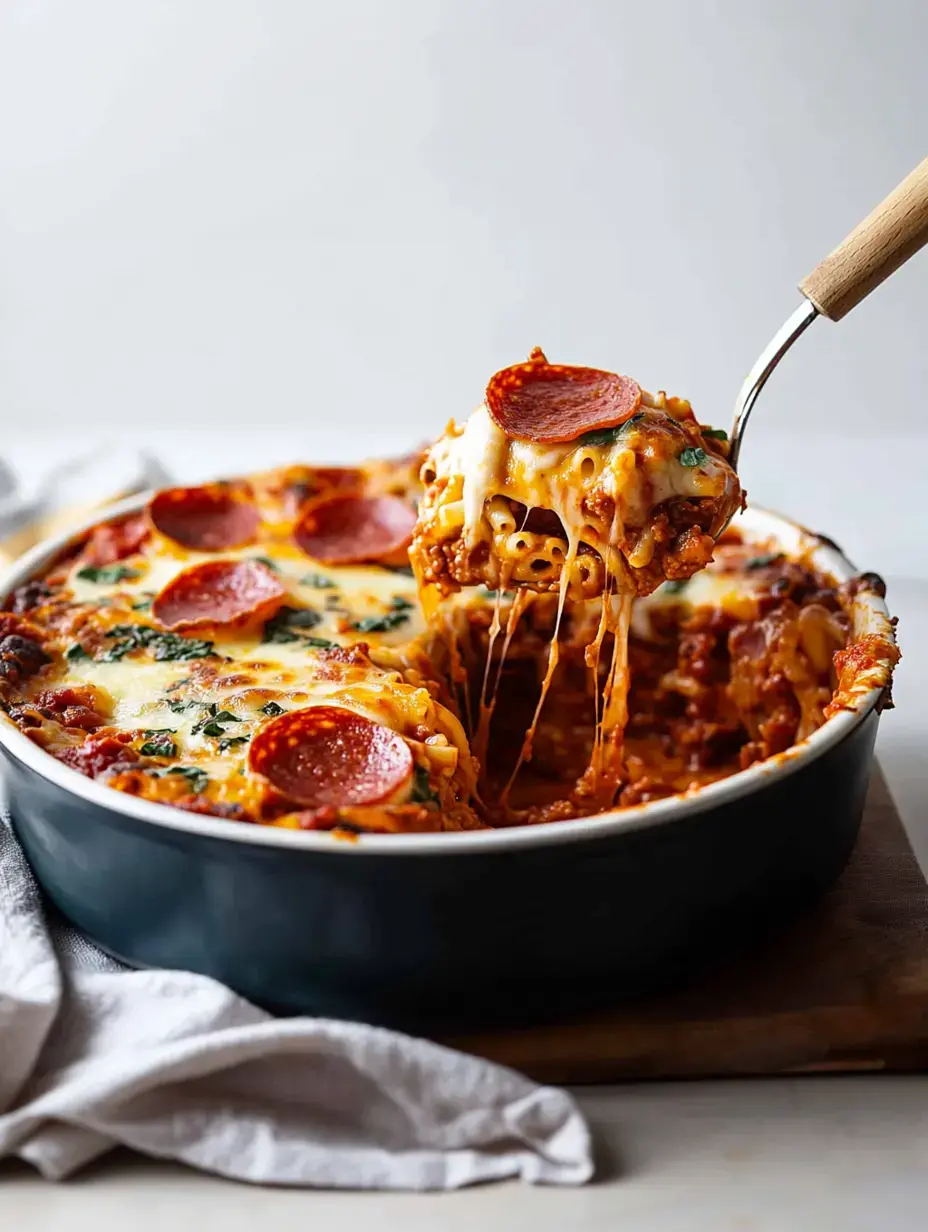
754, 382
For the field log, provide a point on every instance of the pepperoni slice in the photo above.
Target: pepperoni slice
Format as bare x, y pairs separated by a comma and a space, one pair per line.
218, 592
553, 403
330, 756
305, 483
207, 519
350, 528
116, 540
340, 477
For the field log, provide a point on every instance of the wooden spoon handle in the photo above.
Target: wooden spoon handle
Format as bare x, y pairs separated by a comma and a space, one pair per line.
895, 231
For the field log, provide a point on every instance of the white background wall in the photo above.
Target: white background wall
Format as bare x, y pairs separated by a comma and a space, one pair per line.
320, 226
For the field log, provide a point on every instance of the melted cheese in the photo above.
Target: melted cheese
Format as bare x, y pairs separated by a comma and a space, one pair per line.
209, 708
637, 472
359, 591
606, 491
715, 586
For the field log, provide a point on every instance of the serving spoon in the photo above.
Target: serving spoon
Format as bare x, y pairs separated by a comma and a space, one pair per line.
895, 231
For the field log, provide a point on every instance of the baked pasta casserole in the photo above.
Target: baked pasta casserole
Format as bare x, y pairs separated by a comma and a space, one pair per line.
541, 617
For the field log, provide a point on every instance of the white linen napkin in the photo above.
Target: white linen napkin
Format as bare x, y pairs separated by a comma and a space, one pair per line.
93, 1054
174, 1065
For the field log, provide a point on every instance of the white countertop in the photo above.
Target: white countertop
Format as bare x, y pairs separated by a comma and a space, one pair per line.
776, 1155
783, 1155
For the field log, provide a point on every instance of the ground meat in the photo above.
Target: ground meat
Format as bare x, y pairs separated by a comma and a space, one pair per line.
793, 581
211, 808
690, 551
643, 791
452, 563
31, 595
72, 707
20, 657
769, 672
82, 717
698, 655
98, 753
598, 504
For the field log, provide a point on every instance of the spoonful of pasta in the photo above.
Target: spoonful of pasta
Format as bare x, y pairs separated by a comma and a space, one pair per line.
876, 248
576, 481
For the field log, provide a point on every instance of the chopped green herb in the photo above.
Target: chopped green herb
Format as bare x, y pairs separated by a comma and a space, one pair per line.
161, 745
676, 586
196, 777
319, 643
165, 647
209, 725
762, 561
267, 562
422, 792
232, 742
377, 624
159, 731
609, 436
692, 456
302, 617
715, 434
142, 634
318, 581
398, 615
487, 593
169, 646
117, 652
272, 709
178, 707
277, 634
102, 574
142, 606
75, 653
280, 628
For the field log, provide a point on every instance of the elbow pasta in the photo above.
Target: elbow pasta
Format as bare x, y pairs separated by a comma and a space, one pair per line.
646, 500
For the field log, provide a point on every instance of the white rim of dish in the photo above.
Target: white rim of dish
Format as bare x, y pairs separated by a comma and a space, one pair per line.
870, 615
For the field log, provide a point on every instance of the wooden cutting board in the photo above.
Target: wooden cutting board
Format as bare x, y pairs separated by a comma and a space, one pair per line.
845, 988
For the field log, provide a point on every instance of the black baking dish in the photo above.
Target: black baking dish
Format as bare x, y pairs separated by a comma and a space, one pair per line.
456, 929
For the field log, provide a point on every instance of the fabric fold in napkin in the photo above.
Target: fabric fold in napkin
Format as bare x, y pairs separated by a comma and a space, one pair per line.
94, 1055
